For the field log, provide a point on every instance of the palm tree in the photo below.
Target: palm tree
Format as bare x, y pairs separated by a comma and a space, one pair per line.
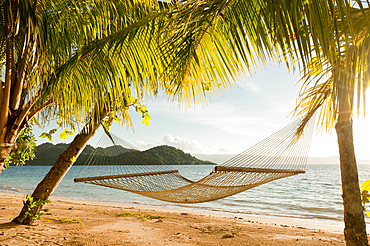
74, 61
336, 87
83, 61
327, 35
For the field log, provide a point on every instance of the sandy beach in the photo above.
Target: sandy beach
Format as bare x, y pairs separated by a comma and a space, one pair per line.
74, 222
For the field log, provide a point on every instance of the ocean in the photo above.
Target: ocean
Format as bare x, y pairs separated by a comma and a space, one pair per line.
313, 196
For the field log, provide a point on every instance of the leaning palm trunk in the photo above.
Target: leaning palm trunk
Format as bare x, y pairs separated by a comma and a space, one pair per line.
355, 227
50, 182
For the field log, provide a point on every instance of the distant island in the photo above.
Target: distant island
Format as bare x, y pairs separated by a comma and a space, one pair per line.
47, 154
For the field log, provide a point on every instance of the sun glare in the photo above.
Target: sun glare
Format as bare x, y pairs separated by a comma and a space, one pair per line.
361, 131
325, 144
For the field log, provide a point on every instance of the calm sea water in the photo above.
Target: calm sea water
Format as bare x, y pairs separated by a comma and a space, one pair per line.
315, 195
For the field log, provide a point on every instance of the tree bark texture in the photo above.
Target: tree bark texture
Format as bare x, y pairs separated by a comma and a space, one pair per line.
50, 182
9, 64
354, 221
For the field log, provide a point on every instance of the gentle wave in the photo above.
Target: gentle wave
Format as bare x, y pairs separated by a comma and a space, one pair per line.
9, 188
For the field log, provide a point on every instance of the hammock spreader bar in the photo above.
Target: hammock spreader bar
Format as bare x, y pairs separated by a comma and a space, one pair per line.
256, 170
123, 176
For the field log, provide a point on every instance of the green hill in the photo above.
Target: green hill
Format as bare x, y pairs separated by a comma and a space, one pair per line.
173, 156
47, 154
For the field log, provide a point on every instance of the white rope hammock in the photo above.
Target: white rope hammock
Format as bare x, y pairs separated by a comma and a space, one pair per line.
273, 158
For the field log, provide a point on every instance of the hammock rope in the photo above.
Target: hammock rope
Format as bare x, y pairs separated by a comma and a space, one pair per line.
116, 164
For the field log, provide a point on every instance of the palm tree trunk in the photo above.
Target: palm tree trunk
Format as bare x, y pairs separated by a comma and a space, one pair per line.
50, 182
354, 221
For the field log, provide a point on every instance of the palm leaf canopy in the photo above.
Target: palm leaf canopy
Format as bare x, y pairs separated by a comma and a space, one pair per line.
81, 56
85, 56
344, 77
216, 41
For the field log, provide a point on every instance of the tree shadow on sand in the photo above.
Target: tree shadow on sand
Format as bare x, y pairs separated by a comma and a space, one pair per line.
8, 225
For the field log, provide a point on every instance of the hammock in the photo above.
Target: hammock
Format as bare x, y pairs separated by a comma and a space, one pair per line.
273, 158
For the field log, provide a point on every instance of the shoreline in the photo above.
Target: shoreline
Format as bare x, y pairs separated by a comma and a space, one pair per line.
102, 226
328, 225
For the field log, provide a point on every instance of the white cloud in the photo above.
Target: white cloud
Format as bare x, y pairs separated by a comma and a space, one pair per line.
249, 86
189, 146
141, 145
238, 113
238, 120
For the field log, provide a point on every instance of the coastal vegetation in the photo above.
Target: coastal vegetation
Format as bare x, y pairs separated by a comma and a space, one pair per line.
365, 196
140, 216
31, 203
76, 62
47, 154
66, 220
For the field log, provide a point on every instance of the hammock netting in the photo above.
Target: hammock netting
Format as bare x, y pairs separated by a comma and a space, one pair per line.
118, 164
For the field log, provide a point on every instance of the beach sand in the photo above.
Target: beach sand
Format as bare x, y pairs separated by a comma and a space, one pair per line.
74, 222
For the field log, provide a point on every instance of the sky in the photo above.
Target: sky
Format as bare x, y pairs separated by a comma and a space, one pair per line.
253, 109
